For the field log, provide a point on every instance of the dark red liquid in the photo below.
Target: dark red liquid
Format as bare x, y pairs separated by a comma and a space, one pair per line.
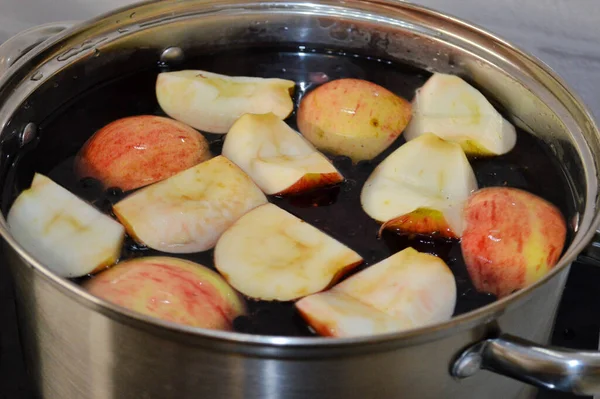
335, 210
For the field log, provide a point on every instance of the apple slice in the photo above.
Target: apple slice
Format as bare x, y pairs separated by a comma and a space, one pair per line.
213, 102
276, 157
189, 211
407, 290
421, 188
140, 150
455, 111
170, 289
334, 314
63, 232
352, 117
270, 254
512, 239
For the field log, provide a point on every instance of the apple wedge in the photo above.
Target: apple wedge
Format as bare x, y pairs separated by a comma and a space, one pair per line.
170, 289
140, 150
335, 314
352, 117
511, 240
455, 111
277, 158
270, 254
189, 211
405, 291
63, 232
212, 103
421, 188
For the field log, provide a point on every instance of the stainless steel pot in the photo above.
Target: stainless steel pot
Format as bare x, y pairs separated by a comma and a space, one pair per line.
80, 347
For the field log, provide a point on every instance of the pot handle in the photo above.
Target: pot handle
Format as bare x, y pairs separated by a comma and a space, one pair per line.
18, 45
559, 369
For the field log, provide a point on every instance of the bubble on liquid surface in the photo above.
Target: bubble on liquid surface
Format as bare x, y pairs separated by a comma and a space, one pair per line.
172, 55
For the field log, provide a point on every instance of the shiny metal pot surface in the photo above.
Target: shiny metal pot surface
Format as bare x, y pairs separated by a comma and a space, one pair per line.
78, 346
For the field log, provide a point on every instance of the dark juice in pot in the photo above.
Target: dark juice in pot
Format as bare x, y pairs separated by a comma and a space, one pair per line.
335, 210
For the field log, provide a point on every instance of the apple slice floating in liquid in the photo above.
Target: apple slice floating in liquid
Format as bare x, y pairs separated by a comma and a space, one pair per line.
277, 158
212, 102
333, 313
270, 254
352, 117
188, 212
421, 188
450, 108
62, 231
140, 150
405, 291
511, 240
170, 289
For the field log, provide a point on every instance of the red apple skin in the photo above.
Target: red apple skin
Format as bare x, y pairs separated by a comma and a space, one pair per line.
512, 238
352, 117
170, 289
312, 181
421, 221
137, 151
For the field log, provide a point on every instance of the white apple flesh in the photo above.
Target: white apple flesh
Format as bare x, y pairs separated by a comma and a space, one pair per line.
428, 176
277, 158
62, 231
332, 313
212, 102
189, 211
408, 290
452, 109
270, 254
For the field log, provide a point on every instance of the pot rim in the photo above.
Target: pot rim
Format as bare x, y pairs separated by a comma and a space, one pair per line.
423, 334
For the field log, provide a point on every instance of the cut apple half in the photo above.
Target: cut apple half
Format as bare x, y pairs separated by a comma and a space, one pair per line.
62, 231
511, 240
136, 151
454, 110
277, 158
170, 289
270, 254
189, 211
421, 188
212, 102
352, 117
408, 290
